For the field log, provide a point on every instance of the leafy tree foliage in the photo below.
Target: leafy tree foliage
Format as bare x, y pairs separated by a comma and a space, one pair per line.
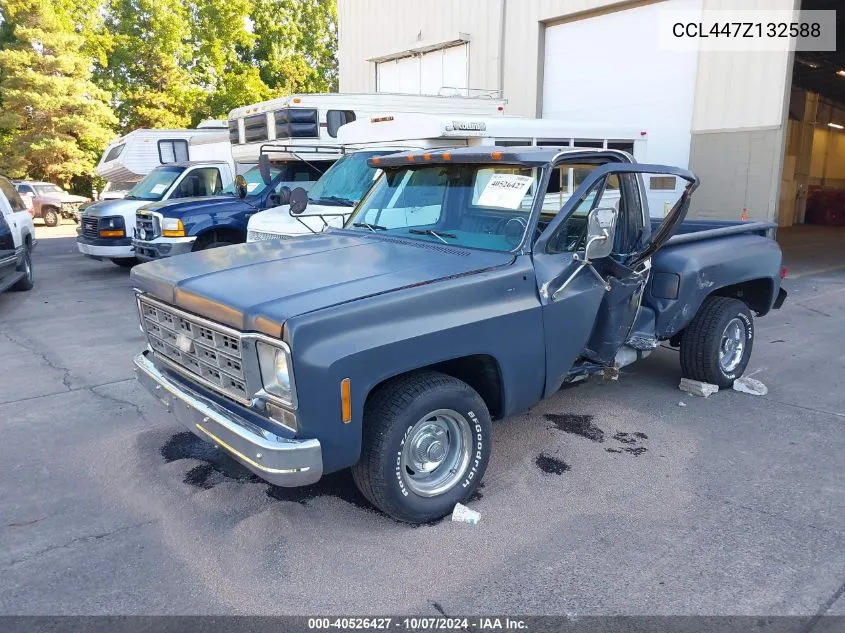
54, 121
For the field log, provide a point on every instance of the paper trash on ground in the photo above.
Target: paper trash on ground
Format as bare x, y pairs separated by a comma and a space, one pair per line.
465, 515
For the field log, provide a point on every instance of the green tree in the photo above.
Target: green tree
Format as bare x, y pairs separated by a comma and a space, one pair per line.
149, 63
54, 122
296, 44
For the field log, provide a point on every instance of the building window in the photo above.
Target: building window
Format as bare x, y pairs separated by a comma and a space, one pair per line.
172, 151
661, 183
114, 152
441, 71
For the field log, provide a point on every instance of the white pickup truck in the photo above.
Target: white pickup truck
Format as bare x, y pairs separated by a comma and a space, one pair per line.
17, 239
107, 227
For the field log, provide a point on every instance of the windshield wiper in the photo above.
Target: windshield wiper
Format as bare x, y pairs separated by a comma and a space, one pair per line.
439, 236
341, 201
372, 227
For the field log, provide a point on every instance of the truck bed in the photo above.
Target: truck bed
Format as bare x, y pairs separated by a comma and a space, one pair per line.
698, 230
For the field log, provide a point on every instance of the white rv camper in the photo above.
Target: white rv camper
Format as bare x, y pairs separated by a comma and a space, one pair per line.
131, 157
333, 196
314, 119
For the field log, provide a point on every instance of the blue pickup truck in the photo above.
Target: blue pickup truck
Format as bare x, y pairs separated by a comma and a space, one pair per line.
466, 286
178, 226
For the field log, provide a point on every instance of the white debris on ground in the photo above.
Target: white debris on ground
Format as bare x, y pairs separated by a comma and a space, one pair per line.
751, 386
682, 404
465, 515
697, 387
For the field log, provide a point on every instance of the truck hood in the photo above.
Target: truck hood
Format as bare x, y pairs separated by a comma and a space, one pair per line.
259, 286
180, 206
279, 219
120, 206
59, 198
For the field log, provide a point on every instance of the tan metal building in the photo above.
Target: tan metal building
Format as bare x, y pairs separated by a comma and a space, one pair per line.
724, 114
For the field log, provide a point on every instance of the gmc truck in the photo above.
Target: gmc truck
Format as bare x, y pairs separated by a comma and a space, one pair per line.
466, 286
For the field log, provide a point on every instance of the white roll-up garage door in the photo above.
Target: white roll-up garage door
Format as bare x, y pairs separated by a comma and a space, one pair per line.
609, 69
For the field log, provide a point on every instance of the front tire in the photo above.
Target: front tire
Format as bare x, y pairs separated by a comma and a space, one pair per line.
716, 346
51, 217
426, 443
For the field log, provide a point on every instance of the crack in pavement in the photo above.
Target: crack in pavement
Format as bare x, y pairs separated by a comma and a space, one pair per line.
91, 538
30, 347
118, 401
61, 393
824, 608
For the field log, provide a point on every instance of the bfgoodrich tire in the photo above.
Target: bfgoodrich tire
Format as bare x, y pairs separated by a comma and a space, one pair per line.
426, 444
716, 346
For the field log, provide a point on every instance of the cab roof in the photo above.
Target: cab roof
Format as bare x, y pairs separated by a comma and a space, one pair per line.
530, 155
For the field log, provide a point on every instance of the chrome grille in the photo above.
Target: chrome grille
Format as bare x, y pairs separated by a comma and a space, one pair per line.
90, 226
147, 226
259, 236
202, 349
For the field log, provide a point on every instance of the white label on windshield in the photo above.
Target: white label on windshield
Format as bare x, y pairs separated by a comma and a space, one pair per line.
158, 188
505, 191
251, 186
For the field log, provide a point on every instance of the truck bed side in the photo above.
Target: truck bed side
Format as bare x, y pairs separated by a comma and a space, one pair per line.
712, 261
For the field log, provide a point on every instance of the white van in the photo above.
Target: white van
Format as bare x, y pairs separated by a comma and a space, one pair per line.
332, 198
131, 157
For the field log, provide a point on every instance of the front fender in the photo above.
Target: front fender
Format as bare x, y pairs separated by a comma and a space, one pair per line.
496, 313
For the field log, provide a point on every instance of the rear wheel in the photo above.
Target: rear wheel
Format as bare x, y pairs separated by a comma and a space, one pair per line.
426, 443
716, 347
28, 281
51, 216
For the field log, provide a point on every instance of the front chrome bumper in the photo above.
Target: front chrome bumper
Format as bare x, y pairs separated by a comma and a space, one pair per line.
277, 460
149, 250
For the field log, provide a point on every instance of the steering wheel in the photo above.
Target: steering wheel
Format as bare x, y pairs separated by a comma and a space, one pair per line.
514, 229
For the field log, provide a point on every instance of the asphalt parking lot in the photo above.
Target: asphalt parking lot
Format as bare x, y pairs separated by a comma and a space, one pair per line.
608, 498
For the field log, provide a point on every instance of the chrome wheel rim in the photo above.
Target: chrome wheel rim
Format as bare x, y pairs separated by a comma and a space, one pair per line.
436, 453
732, 345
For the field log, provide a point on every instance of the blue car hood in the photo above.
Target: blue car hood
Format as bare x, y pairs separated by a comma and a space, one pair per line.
174, 208
258, 286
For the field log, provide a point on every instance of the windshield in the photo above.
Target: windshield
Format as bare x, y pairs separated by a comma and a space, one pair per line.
254, 183
155, 184
478, 206
113, 186
346, 181
45, 189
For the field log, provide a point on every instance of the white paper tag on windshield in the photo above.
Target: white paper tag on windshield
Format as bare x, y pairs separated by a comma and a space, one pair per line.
158, 188
252, 186
505, 191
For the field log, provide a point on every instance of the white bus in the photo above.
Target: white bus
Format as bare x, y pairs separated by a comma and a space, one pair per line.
333, 196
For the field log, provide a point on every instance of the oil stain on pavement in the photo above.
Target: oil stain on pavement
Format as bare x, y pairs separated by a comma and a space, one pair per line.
551, 465
577, 424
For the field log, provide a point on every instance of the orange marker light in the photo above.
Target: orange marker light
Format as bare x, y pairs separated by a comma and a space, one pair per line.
345, 401
496, 155
376, 160
411, 158
426, 156
297, 100
446, 156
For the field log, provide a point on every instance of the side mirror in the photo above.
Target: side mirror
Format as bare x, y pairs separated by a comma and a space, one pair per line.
298, 200
601, 229
240, 186
264, 169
